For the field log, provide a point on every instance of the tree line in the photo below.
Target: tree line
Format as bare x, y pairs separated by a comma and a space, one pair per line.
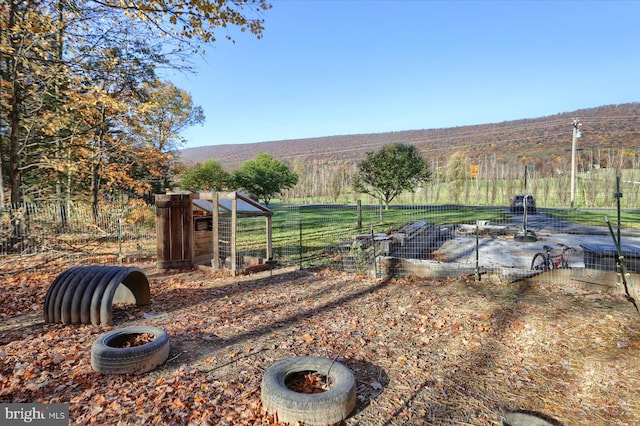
487, 180
384, 174
262, 178
85, 111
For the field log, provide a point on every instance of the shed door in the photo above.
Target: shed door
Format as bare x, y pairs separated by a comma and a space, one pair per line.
174, 223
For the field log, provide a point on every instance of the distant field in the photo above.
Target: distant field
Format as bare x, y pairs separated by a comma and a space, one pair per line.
595, 189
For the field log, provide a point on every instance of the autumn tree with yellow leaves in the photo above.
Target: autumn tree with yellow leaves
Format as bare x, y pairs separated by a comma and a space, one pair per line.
83, 111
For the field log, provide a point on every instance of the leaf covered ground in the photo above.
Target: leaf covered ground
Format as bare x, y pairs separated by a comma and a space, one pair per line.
423, 351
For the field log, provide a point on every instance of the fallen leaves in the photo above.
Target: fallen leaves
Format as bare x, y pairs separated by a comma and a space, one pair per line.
132, 339
307, 382
24, 292
422, 351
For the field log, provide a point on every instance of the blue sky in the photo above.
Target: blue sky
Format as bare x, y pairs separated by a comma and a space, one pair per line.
328, 68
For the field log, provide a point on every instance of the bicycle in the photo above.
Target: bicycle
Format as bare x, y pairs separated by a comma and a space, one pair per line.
547, 261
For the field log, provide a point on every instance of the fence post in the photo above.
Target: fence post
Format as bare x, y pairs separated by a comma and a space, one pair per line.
63, 215
300, 242
120, 240
618, 195
373, 244
359, 212
477, 252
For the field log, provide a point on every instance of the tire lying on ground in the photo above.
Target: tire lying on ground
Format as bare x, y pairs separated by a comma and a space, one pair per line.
325, 408
528, 418
108, 357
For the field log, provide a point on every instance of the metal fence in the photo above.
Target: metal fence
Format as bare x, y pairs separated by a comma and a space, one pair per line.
32, 235
403, 240
444, 241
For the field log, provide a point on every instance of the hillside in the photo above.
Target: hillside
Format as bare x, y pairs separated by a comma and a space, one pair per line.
603, 128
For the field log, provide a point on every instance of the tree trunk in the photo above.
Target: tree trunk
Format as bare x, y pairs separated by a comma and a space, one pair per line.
14, 116
95, 190
97, 164
1, 179
14, 158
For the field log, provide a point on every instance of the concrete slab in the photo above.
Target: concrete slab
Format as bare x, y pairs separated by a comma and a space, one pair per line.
502, 258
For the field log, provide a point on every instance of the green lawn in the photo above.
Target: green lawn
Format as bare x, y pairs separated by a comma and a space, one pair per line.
629, 219
312, 231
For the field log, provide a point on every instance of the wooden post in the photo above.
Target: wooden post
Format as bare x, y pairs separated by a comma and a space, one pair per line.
163, 240
190, 232
359, 211
215, 230
234, 223
269, 239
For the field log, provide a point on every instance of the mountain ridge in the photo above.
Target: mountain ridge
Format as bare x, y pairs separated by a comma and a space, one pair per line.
614, 126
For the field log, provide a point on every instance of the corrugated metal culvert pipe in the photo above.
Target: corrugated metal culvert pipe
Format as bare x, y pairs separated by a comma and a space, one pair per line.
85, 294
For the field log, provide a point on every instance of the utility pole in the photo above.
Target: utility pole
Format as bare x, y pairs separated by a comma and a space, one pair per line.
576, 135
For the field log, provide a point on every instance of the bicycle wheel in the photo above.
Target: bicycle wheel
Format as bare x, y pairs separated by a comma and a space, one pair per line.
540, 262
565, 257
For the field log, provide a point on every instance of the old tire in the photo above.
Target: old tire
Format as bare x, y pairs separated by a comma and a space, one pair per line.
107, 358
325, 408
528, 418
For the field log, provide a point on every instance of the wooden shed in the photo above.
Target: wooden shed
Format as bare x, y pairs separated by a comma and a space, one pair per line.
190, 234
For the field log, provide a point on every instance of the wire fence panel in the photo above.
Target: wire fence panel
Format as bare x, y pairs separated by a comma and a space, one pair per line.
489, 242
287, 235
33, 235
492, 242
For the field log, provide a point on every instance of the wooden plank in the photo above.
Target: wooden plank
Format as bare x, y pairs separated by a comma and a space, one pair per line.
163, 235
205, 195
175, 231
269, 239
264, 210
203, 259
203, 243
227, 195
173, 264
187, 235
234, 229
215, 231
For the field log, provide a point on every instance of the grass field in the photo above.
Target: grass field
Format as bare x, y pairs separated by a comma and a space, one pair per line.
311, 233
594, 189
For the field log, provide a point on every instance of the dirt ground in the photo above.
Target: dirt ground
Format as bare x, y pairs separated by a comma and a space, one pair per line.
423, 351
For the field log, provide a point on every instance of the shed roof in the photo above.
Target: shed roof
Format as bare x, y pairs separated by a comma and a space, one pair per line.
245, 206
